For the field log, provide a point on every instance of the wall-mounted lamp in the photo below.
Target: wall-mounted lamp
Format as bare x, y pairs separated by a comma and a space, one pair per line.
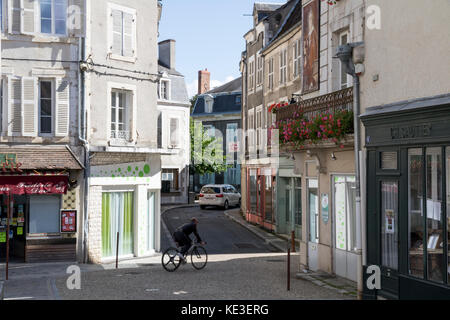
333, 156
295, 98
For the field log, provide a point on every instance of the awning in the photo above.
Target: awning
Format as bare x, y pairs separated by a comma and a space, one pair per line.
43, 157
20, 185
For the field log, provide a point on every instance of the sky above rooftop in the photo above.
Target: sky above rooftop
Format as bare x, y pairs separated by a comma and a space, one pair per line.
209, 34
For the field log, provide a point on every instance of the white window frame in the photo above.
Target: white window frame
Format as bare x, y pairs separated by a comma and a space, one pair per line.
177, 133
283, 66
259, 70
131, 114
37, 10
168, 87
297, 58
53, 92
209, 103
4, 11
259, 124
270, 73
251, 130
251, 74
347, 84
111, 7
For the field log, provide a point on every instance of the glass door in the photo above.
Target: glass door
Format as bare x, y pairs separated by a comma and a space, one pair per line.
389, 224
313, 207
150, 222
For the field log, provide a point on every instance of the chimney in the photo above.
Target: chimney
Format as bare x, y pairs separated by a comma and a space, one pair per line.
203, 81
167, 53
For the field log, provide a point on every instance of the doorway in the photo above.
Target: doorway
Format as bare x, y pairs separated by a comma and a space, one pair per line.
313, 217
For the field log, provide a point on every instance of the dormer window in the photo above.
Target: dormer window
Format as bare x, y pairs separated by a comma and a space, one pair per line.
209, 101
164, 90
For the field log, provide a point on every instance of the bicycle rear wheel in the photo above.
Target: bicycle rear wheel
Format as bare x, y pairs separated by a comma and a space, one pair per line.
199, 258
171, 260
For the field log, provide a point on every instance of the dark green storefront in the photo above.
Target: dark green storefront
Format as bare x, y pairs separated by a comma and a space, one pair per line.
408, 198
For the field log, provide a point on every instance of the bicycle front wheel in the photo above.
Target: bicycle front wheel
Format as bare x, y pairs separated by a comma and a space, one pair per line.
171, 260
199, 258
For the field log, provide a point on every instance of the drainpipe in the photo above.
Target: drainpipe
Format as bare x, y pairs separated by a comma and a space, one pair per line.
82, 135
352, 56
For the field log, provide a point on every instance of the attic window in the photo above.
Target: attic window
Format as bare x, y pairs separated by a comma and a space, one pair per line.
238, 99
208, 104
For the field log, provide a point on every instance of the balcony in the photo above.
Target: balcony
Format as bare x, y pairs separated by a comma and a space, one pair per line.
324, 121
336, 101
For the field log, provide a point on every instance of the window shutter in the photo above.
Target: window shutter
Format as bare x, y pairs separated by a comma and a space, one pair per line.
76, 21
14, 106
174, 132
62, 107
29, 107
28, 21
14, 25
128, 35
116, 45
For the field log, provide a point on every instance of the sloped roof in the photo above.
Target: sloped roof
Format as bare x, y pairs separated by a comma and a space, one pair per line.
232, 86
266, 6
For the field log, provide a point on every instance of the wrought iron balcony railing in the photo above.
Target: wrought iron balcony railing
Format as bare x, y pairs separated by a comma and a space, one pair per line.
332, 102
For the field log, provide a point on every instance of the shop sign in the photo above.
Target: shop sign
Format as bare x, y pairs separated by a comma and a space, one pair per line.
68, 221
21, 185
8, 163
410, 132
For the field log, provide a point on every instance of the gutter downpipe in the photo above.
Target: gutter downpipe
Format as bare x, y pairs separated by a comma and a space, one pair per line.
82, 135
356, 111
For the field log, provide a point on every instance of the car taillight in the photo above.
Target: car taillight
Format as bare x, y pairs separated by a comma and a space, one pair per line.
201, 195
219, 195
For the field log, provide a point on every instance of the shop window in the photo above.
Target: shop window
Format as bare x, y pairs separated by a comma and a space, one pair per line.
389, 224
298, 201
253, 195
447, 152
44, 214
345, 212
268, 188
415, 212
117, 217
435, 241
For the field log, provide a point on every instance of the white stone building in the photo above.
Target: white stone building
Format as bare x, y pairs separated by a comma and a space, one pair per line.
173, 127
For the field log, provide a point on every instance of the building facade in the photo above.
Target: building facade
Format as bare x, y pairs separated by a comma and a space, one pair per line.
173, 127
40, 151
218, 111
124, 178
407, 155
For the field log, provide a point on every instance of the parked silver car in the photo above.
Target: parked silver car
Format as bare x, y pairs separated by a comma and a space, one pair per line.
219, 195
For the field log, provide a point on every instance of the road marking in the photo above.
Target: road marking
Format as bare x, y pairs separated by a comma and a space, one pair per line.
20, 298
180, 292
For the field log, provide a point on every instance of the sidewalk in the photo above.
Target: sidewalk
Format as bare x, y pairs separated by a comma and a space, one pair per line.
281, 243
277, 241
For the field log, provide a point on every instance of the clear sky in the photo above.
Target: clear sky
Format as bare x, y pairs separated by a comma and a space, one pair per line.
209, 34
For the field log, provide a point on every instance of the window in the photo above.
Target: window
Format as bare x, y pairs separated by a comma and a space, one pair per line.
174, 132
298, 201
209, 101
297, 58
120, 106
238, 99
253, 191
1, 105
345, 212
44, 214
447, 161
117, 217
251, 75
259, 72
45, 106
1, 15
123, 31
283, 66
251, 130
170, 178
164, 89
344, 77
270, 80
259, 129
53, 15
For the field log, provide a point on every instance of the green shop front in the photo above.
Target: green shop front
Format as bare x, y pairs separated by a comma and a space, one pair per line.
408, 198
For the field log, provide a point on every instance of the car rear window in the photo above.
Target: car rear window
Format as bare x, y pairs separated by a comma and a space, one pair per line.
210, 190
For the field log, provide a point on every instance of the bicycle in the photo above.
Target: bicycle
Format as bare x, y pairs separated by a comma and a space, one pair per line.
171, 261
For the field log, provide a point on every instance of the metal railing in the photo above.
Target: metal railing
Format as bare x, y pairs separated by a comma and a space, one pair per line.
332, 102
120, 135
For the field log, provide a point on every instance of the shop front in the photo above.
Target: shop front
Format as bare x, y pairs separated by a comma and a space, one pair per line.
408, 198
38, 206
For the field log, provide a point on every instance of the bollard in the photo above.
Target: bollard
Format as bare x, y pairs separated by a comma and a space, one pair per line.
289, 270
117, 251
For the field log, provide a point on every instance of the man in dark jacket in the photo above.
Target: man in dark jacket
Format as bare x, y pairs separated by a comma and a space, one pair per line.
182, 234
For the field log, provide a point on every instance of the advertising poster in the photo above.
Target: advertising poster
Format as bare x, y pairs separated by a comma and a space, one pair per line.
311, 47
68, 221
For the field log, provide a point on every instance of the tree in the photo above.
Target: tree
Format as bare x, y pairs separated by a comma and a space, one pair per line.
206, 151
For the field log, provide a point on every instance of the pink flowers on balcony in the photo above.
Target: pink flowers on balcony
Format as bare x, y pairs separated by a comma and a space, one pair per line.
277, 106
327, 126
331, 2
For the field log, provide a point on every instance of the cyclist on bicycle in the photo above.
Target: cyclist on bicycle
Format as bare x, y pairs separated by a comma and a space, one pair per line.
182, 234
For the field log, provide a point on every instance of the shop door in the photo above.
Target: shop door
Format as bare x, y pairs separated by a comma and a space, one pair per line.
17, 231
388, 196
313, 217
150, 222
284, 205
